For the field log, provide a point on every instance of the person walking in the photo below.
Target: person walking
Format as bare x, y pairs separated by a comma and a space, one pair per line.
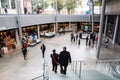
25, 10
64, 59
78, 42
55, 58
43, 48
24, 51
0, 56
6, 11
71, 36
87, 40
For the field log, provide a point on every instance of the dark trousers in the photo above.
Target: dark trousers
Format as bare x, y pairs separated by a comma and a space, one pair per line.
54, 68
43, 52
63, 69
0, 56
24, 55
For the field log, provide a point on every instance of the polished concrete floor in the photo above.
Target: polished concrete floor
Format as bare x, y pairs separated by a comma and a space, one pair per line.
14, 67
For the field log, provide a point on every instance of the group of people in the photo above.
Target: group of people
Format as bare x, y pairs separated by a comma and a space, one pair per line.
92, 38
63, 59
75, 37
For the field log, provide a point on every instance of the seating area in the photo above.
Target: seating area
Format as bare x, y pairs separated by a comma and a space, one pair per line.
47, 34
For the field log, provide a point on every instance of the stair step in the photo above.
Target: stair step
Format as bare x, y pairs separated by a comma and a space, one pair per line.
69, 76
94, 75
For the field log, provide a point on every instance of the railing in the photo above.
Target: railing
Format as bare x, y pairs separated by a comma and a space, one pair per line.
75, 65
110, 68
45, 75
107, 61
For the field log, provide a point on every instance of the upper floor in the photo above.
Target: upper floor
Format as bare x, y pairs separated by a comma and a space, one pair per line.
11, 21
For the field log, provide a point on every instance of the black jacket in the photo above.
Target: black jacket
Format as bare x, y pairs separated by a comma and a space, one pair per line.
24, 50
43, 47
56, 56
64, 58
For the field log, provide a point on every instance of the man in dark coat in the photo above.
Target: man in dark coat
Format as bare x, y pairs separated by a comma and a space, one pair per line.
64, 59
43, 48
55, 58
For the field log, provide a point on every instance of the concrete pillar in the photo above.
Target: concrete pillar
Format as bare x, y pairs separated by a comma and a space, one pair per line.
115, 31
17, 37
101, 28
92, 16
0, 8
69, 25
105, 25
54, 28
20, 5
9, 4
56, 17
43, 2
18, 19
38, 31
0, 4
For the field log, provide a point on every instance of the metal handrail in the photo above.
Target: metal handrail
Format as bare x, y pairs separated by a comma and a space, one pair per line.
44, 72
74, 66
107, 61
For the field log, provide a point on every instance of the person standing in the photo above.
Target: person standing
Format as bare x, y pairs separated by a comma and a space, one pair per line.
43, 48
55, 57
64, 59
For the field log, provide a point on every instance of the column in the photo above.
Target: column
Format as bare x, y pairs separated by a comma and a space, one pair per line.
115, 31
0, 3
56, 17
54, 28
18, 19
9, 2
105, 25
62, 6
38, 31
17, 37
0, 8
43, 2
92, 16
69, 25
101, 28
21, 6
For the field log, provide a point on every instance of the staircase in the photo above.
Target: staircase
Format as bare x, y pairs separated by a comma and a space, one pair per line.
94, 75
86, 75
75, 72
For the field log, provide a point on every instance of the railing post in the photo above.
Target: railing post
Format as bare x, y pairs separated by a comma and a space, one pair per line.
76, 68
80, 70
73, 66
44, 70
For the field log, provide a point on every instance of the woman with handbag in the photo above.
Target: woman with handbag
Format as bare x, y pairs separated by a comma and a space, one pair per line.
55, 57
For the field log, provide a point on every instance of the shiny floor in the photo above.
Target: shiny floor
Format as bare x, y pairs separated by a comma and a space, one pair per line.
14, 67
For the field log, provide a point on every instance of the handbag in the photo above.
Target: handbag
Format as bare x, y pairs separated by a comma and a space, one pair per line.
55, 60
